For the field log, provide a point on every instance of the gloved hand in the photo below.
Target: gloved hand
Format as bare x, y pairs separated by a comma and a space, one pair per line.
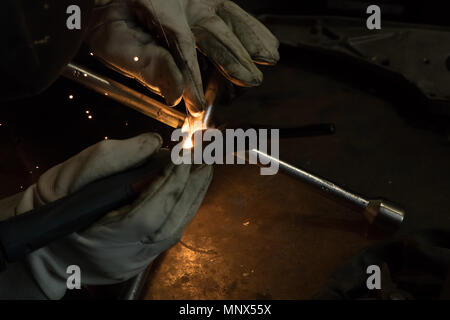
125, 241
154, 41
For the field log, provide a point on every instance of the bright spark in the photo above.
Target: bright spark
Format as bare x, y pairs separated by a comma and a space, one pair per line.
191, 127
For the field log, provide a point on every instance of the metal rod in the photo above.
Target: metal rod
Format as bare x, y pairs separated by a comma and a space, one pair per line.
125, 95
377, 211
134, 287
322, 184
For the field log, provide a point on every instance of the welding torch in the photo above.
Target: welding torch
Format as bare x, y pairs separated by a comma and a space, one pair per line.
37, 228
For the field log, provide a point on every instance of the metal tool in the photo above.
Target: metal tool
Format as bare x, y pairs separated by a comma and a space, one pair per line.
125, 95
379, 212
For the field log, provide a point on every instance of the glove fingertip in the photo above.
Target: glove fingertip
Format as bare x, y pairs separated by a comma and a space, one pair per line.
197, 108
269, 56
266, 61
172, 101
152, 141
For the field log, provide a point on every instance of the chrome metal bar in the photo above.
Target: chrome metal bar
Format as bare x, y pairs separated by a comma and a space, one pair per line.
123, 94
134, 287
377, 211
322, 184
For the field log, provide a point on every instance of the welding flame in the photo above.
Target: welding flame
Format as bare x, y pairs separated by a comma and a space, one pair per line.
192, 125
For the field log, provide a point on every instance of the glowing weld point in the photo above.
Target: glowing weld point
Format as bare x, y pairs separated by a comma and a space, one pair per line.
106, 93
85, 74
106, 138
89, 117
136, 59
191, 128
91, 53
87, 111
70, 97
37, 167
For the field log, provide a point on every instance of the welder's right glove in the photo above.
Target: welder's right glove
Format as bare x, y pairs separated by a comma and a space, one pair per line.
122, 243
155, 41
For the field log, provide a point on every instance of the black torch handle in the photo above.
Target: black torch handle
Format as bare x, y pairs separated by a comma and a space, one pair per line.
34, 229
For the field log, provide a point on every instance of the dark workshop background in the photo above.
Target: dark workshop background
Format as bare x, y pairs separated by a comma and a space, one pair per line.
257, 236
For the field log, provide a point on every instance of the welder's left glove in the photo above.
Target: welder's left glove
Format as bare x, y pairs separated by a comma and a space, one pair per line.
155, 41
126, 240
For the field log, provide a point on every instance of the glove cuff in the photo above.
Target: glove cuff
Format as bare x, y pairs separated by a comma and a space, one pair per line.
48, 273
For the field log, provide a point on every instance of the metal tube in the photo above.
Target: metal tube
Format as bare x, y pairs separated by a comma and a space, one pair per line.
377, 211
322, 184
134, 287
129, 97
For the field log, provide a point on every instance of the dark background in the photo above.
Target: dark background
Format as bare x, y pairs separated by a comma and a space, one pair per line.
387, 144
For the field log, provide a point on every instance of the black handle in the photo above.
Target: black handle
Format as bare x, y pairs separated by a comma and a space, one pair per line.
37, 228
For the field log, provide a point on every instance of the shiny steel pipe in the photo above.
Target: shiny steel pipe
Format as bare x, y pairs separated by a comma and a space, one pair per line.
379, 212
125, 95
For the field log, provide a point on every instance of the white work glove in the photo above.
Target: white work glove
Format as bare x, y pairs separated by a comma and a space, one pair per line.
122, 243
154, 42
